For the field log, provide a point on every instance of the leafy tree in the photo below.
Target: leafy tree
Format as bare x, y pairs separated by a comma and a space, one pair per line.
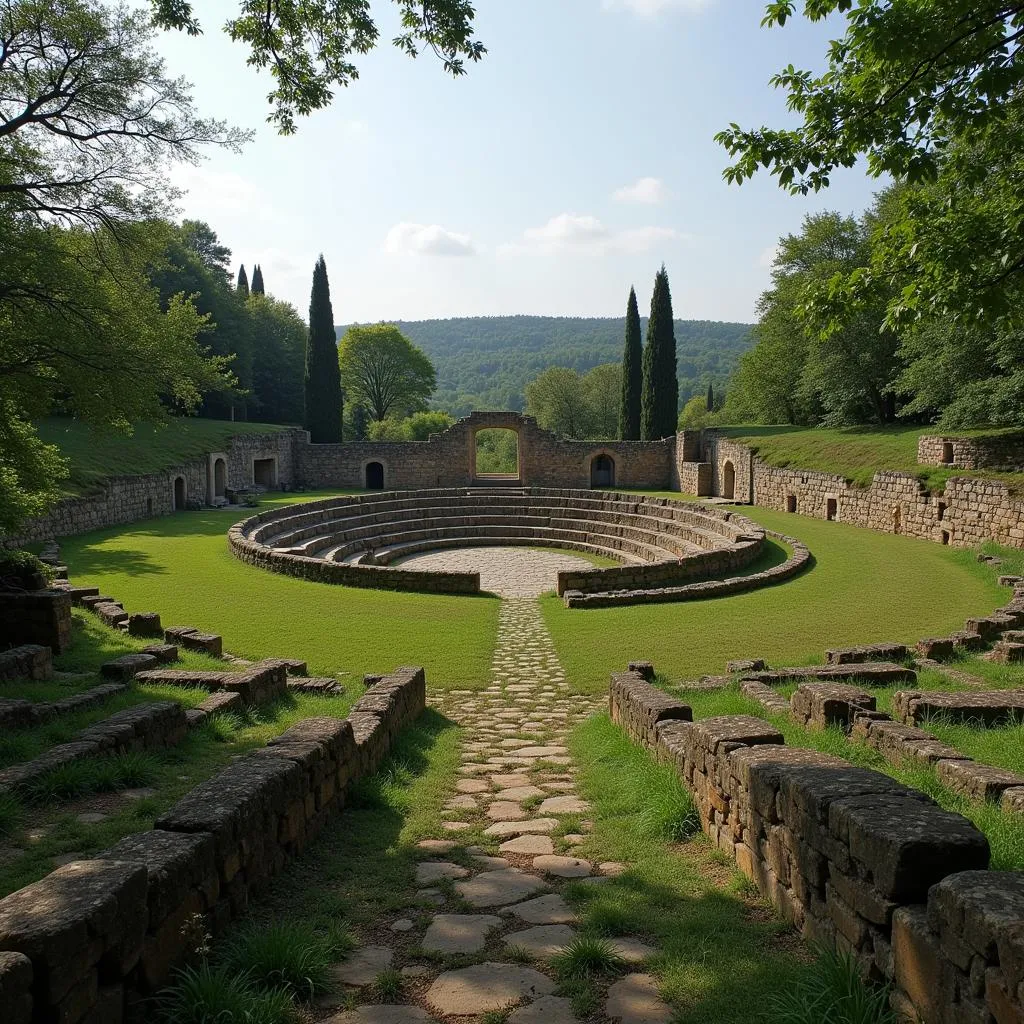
242, 286
309, 47
931, 94
198, 236
555, 399
323, 405
359, 422
660, 405
417, 427
257, 281
602, 394
695, 414
632, 374
384, 370
278, 358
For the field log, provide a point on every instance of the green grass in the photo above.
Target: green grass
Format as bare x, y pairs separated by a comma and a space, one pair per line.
181, 567
290, 955
864, 586
94, 455
858, 452
717, 942
218, 995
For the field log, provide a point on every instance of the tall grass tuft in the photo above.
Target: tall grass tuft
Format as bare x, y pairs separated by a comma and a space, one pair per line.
586, 955
10, 814
831, 992
93, 775
288, 955
219, 995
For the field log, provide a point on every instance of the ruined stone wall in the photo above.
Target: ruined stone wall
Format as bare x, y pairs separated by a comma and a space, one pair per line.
1001, 451
89, 942
127, 499
36, 617
448, 459
721, 453
853, 859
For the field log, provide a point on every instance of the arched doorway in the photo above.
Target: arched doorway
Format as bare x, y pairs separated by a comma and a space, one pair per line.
220, 478
602, 471
180, 493
374, 476
728, 480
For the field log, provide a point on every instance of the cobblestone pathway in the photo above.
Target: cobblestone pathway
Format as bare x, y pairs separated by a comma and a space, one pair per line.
496, 914
506, 571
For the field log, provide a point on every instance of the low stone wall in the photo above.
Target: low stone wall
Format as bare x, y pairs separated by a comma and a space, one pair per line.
28, 661
127, 499
23, 714
41, 617
85, 944
854, 859
649, 593
998, 451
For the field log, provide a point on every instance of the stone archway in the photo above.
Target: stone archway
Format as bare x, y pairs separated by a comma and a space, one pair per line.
602, 471
728, 479
220, 478
180, 493
373, 476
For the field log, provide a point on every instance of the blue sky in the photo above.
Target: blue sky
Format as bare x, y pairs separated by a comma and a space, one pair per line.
566, 166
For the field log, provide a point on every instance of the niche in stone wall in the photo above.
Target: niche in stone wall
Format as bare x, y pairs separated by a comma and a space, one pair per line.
264, 472
947, 452
790, 502
374, 476
728, 480
897, 520
220, 478
602, 471
831, 509
180, 493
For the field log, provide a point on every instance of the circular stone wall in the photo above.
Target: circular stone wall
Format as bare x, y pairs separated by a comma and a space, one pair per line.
355, 540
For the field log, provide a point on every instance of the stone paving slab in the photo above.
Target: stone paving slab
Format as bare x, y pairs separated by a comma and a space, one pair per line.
635, 1000
549, 909
363, 965
459, 933
487, 986
498, 888
542, 941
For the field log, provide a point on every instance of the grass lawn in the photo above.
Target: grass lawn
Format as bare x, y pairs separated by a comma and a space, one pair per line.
864, 587
93, 455
180, 566
36, 830
857, 452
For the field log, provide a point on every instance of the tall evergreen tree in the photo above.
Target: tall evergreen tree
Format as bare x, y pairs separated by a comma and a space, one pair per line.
711, 397
632, 374
257, 281
660, 403
243, 283
323, 375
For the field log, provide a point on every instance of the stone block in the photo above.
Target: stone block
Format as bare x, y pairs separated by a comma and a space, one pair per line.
222, 700
979, 707
41, 617
746, 665
644, 669
936, 648
28, 661
1007, 652
204, 643
16, 988
921, 971
110, 614
144, 624
977, 781
1012, 800
866, 652
127, 666
823, 704
165, 654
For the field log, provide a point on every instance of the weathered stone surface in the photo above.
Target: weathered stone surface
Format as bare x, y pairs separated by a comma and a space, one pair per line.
563, 805
633, 951
635, 1000
487, 986
430, 871
520, 828
459, 933
379, 1013
16, 988
505, 810
127, 666
562, 867
542, 941
546, 1010
823, 704
529, 845
498, 888
977, 781
549, 909
437, 845
363, 965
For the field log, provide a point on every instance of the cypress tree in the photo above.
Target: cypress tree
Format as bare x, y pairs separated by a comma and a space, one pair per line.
257, 281
632, 374
711, 398
323, 375
360, 422
660, 403
243, 283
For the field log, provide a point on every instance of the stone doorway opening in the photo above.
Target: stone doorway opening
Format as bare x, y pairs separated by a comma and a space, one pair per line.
728, 480
496, 454
220, 478
947, 452
180, 493
264, 473
831, 509
602, 471
374, 476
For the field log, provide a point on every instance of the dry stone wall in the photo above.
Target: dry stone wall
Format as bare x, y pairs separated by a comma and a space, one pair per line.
87, 943
855, 860
1001, 451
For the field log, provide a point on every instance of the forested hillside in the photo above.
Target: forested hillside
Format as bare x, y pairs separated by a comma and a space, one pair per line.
486, 362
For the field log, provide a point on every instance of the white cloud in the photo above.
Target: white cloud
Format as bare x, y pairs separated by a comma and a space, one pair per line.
428, 239
652, 8
586, 232
768, 256
221, 191
644, 190
568, 229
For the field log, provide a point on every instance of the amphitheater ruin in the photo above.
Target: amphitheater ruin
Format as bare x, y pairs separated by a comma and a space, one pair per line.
851, 858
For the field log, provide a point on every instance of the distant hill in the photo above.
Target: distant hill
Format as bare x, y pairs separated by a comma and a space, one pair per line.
485, 362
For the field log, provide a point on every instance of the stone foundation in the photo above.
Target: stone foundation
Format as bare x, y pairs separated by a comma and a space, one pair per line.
87, 943
40, 617
853, 859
